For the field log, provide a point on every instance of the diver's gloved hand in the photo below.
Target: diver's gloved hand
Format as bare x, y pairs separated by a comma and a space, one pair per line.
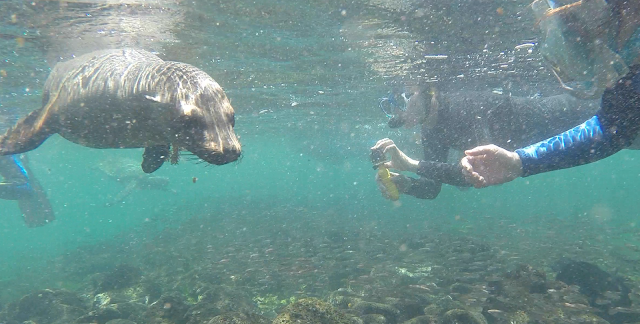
402, 182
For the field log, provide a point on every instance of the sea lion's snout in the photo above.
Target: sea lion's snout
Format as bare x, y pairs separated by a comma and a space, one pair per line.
205, 127
211, 136
220, 145
220, 158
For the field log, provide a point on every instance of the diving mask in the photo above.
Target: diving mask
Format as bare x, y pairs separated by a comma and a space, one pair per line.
394, 108
390, 105
577, 43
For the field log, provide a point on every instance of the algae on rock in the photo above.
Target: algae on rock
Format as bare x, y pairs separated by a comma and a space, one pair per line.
311, 311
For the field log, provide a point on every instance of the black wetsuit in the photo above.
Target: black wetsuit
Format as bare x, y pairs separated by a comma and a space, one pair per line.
468, 119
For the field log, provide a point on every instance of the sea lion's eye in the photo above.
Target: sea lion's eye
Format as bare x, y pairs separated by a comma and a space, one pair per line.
232, 120
191, 124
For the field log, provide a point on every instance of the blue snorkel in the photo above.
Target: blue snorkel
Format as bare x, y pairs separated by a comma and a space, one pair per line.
552, 4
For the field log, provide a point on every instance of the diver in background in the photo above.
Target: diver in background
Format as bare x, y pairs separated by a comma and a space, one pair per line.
614, 127
461, 120
594, 50
19, 184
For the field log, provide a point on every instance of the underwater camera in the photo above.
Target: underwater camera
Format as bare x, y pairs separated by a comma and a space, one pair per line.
378, 158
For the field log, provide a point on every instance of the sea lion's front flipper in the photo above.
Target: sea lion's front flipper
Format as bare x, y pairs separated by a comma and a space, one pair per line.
154, 157
27, 134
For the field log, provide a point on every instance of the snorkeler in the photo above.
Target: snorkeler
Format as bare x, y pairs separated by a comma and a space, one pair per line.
461, 120
614, 127
19, 184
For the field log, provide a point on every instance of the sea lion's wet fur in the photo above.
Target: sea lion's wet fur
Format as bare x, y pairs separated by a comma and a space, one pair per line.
130, 99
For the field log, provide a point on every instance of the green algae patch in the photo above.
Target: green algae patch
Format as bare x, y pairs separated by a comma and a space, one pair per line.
311, 311
271, 304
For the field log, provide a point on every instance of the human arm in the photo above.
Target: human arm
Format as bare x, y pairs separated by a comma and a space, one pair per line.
432, 173
424, 187
613, 128
421, 188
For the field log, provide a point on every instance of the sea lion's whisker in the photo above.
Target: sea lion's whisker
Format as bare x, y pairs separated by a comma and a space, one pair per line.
239, 159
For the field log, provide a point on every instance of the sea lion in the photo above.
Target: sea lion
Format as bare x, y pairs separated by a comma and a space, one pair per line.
130, 98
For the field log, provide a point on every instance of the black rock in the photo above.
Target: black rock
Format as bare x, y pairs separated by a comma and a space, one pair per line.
101, 315
120, 321
220, 300
461, 288
460, 316
534, 280
239, 318
171, 307
365, 308
123, 276
594, 282
47, 306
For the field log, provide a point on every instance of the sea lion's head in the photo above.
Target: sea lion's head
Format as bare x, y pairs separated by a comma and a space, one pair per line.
206, 122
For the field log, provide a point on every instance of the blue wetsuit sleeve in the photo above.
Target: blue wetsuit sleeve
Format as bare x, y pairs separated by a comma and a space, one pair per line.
15, 185
613, 128
582, 144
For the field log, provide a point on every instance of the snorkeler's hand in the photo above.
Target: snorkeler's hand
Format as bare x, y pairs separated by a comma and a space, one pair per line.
490, 165
402, 182
399, 161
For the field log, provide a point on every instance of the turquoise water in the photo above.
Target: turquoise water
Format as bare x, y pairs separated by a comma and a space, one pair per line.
304, 80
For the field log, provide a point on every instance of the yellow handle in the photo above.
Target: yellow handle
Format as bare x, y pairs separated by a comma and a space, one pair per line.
385, 178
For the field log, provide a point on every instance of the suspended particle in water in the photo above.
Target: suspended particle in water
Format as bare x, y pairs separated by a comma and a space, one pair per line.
194, 179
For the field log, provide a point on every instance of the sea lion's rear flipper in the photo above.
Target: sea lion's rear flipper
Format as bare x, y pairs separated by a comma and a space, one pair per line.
154, 157
26, 135
128, 189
